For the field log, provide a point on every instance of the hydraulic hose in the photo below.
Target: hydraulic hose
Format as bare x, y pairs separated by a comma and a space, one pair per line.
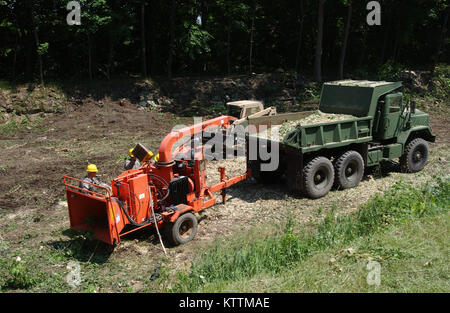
133, 222
118, 185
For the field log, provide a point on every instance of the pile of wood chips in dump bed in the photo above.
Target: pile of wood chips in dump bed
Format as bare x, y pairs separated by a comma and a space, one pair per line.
314, 118
233, 167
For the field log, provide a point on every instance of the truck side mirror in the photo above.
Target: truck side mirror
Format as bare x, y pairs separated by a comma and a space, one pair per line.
412, 107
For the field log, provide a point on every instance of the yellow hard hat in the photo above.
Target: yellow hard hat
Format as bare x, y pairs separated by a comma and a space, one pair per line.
92, 168
130, 153
156, 157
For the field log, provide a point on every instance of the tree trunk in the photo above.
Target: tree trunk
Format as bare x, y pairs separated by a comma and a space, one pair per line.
143, 47
300, 35
204, 17
16, 48
442, 37
172, 39
110, 55
36, 40
229, 42
90, 56
385, 40
318, 57
396, 43
251, 36
344, 44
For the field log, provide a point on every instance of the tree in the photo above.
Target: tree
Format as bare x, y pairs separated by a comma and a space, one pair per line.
143, 47
172, 38
318, 55
344, 43
252, 31
300, 35
95, 15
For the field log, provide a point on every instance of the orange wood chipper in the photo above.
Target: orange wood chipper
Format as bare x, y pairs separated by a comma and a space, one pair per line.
164, 194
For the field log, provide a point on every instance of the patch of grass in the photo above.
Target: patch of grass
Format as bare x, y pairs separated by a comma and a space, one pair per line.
275, 254
12, 127
16, 274
412, 255
12, 226
121, 157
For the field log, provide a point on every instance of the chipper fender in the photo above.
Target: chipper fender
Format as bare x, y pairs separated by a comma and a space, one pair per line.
179, 210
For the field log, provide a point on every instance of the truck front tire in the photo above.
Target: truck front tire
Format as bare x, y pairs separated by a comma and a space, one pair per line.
349, 169
318, 177
415, 156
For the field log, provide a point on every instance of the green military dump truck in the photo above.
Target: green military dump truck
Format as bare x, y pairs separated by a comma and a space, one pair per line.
378, 125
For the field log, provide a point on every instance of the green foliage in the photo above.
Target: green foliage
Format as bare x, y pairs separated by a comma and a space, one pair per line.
110, 33
43, 48
390, 71
196, 41
441, 82
16, 275
275, 253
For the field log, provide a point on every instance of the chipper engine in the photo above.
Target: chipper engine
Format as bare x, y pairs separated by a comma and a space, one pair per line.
162, 194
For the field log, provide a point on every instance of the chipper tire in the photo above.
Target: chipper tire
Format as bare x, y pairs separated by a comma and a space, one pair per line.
318, 177
183, 230
415, 156
349, 170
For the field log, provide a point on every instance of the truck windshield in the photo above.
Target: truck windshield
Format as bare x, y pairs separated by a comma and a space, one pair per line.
234, 111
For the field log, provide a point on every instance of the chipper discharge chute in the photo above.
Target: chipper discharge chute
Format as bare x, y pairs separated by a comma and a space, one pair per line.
163, 193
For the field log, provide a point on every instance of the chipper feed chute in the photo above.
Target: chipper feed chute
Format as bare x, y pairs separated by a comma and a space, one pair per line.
93, 211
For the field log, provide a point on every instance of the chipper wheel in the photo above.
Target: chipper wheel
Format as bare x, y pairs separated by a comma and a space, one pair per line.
318, 177
349, 169
183, 230
415, 156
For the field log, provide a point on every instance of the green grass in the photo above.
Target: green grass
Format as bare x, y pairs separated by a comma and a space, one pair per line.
12, 127
413, 257
292, 247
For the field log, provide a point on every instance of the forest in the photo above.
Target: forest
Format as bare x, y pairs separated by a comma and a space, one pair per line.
217, 37
86, 82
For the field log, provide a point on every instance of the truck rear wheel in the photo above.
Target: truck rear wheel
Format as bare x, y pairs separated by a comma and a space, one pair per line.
183, 230
318, 177
415, 156
349, 169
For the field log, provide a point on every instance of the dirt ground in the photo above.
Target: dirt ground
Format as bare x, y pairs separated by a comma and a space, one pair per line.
33, 212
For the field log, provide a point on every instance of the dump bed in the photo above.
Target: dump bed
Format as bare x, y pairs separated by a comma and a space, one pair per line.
308, 137
353, 102
334, 134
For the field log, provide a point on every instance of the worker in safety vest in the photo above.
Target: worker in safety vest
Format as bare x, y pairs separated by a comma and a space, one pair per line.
131, 163
90, 179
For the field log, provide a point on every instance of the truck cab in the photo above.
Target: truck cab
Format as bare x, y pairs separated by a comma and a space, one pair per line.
393, 118
243, 108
